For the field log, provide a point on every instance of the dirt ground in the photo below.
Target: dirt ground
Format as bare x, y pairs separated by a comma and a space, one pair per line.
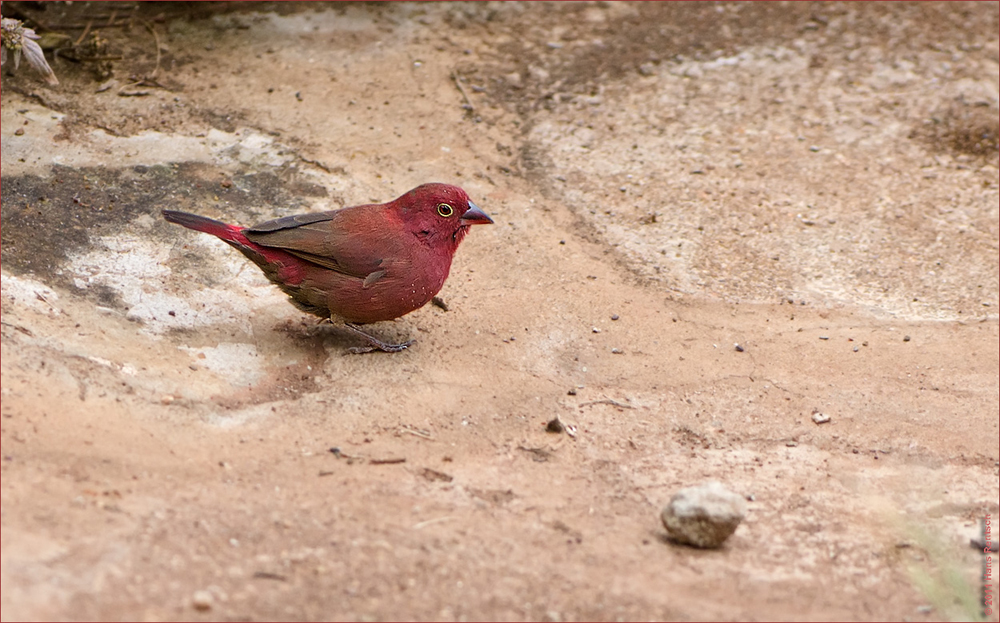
713, 221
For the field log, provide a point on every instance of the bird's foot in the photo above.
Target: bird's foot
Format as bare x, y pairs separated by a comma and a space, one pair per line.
374, 343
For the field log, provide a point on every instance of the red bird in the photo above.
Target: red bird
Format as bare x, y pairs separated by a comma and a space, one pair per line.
361, 264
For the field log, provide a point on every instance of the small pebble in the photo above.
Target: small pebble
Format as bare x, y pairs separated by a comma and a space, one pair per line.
614, 316
906, 338
555, 425
596, 330
571, 392
617, 351
703, 516
820, 418
738, 348
202, 600
824, 337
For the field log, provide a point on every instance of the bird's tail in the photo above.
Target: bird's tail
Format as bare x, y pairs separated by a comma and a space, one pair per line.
229, 233
278, 265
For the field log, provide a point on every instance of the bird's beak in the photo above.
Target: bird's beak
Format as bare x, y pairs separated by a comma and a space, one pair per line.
475, 216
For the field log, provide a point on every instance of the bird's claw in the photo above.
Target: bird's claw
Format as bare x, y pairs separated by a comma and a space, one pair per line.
384, 347
393, 348
374, 343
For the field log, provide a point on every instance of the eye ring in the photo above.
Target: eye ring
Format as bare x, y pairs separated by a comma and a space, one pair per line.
445, 210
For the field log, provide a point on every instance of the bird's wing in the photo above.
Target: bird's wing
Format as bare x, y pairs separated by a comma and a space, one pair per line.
292, 222
348, 241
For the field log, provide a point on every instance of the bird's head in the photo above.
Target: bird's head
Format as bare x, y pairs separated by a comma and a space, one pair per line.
440, 214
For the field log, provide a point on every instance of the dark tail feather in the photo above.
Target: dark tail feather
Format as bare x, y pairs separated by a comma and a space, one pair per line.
271, 261
229, 233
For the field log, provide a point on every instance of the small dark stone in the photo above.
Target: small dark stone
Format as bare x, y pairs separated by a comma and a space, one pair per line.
433, 474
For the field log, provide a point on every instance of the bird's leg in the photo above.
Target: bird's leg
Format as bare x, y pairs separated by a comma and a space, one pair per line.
375, 343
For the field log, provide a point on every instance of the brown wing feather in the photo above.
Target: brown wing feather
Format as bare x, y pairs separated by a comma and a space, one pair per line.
345, 241
291, 222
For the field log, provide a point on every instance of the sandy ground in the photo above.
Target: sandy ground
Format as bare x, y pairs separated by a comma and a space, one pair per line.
817, 184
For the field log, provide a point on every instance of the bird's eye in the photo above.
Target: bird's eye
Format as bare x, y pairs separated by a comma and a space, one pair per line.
445, 210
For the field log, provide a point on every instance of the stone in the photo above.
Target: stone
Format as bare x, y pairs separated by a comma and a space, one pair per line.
202, 600
703, 516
